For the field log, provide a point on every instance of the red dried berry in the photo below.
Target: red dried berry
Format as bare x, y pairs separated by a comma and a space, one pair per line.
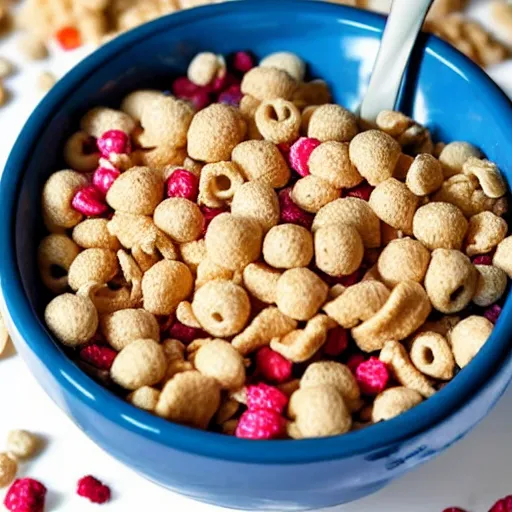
291, 213
284, 147
209, 214
92, 489
483, 259
362, 191
492, 313
243, 62
184, 333
201, 99
25, 495
503, 505
336, 343
231, 96
354, 361
300, 151
68, 38
260, 424
183, 183
114, 141
372, 376
89, 201
263, 396
454, 509
272, 366
182, 87
222, 83
99, 356
104, 176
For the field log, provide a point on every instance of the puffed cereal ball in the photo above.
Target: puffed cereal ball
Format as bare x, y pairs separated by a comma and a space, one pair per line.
330, 161
468, 337
261, 160
393, 402
394, 204
375, 155
315, 93
300, 293
218, 183
233, 242
503, 256
288, 246
425, 175
258, 201
204, 67
392, 122
312, 193
403, 259
92, 266
339, 249
221, 307
165, 285
268, 83
278, 120
485, 232
454, 155
491, 285
94, 233
144, 398
72, 319
260, 281
8, 469
332, 122
214, 132
179, 218
136, 102
440, 225
99, 120
141, 363
22, 444
286, 61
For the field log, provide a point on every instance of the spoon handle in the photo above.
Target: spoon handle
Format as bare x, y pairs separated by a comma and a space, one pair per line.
402, 28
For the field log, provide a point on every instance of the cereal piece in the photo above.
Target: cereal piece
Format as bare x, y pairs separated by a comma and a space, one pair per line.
179, 218
288, 62
218, 183
485, 232
339, 249
262, 161
300, 293
72, 319
137, 191
22, 444
468, 337
99, 120
208, 271
77, 153
6, 68
375, 155
332, 123
403, 259
311, 193
32, 47
261, 281
205, 67
488, 175
249, 105
394, 401
392, 122
491, 285
221, 307
46, 80
218, 359
4, 95
93, 233
134, 103
92, 266
268, 83
440, 225
185, 315
432, 356
214, 132
160, 157
144, 398
288, 246
189, 398
318, 412
8, 469
233, 242
405, 310
454, 156
336, 290
395, 356
193, 253
278, 120
450, 280
266, 325
425, 175
228, 408
402, 166
306, 117
354, 212
357, 303
314, 93
503, 256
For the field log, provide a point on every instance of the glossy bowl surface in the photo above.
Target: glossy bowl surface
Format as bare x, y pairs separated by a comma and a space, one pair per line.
443, 89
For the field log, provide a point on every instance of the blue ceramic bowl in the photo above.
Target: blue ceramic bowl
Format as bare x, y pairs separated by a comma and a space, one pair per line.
444, 90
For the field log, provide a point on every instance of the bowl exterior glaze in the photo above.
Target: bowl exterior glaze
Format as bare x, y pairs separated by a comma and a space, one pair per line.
444, 90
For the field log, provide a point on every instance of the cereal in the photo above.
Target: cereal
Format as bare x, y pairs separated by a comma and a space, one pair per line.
432, 356
425, 175
311, 193
488, 175
314, 93
491, 285
193, 253
8, 469
92, 266
6, 68
46, 80
260, 281
179, 218
268, 83
278, 120
288, 62
101, 119
392, 122
94, 234
22, 444
32, 47
77, 154
208, 270
205, 67
394, 401
219, 183
503, 256
468, 337
332, 123
288, 246
485, 232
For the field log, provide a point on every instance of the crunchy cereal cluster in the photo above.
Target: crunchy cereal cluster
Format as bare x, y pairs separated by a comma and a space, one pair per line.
262, 265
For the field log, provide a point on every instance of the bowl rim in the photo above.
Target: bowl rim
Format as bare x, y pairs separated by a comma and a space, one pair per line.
210, 444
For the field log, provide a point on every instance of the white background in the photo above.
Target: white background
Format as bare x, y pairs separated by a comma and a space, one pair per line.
471, 475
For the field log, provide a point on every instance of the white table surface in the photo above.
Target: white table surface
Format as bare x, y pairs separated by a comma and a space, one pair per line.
472, 474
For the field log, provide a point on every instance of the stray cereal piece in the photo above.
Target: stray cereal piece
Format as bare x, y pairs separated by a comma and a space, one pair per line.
288, 62
46, 80
393, 402
3, 94
22, 444
332, 123
32, 47
4, 336
288, 246
6, 68
468, 337
8, 469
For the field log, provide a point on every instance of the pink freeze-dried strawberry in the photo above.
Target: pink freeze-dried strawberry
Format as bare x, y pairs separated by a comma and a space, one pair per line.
182, 87
99, 356
300, 151
492, 313
362, 191
483, 259
209, 214
184, 333
104, 176
260, 424
183, 183
25, 495
453, 509
503, 505
243, 62
291, 213
354, 361
372, 376
89, 201
336, 343
92, 489
263, 396
231, 96
272, 366
114, 141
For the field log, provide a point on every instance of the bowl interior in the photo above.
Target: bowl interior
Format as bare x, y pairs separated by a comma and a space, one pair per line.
443, 90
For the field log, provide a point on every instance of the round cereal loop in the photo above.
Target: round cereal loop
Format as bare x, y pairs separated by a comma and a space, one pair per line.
179, 218
330, 161
205, 67
488, 175
122, 327
339, 249
165, 285
352, 211
392, 122
311, 193
233, 242
218, 183
258, 201
485, 232
22, 444
8, 469
425, 175
220, 360
135, 103
332, 122
315, 93
72, 319
193, 253
268, 83
288, 62
55, 255
101, 119
58, 192
76, 153
214, 132
375, 155
262, 161
278, 120
141, 363
468, 337
137, 191
503, 256
221, 307
394, 401
450, 280
432, 355
260, 281
144, 398
394, 204
288, 246
94, 233
491, 285
454, 156
300, 293
440, 225
92, 266
403, 259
